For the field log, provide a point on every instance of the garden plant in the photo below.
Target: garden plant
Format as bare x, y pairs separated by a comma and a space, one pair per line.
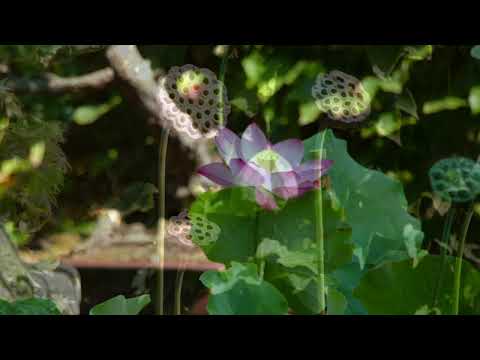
320, 180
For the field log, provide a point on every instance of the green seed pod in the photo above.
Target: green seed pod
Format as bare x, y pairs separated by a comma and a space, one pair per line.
204, 232
456, 179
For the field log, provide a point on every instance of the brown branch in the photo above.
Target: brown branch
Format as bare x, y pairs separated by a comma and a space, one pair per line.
51, 83
137, 73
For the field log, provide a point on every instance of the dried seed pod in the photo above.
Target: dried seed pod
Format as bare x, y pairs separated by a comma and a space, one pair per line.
193, 101
179, 227
456, 179
195, 230
342, 97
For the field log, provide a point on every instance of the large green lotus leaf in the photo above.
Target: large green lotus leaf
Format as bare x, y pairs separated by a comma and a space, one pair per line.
294, 228
240, 291
221, 281
294, 269
345, 280
285, 239
398, 288
375, 205
336, 302
234, 211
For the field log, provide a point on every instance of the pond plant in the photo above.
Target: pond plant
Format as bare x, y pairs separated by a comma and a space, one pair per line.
302, 224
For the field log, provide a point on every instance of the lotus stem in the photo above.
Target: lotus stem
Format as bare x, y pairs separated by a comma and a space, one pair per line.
161, 221
178, 291
319, 230
459, 261
447, 229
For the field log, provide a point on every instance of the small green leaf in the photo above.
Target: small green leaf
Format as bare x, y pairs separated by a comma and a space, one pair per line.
384, 58
406, 102
419, 52
387, 124
309, 112
426, 310
37, 153
475, 52
474, 100
246, 102
119, 305
88, 114
447, 103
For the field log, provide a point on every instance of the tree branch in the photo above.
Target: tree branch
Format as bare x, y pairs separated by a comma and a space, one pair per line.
135, 71
51, 83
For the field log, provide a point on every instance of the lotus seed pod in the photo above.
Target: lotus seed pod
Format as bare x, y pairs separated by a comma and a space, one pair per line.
342, 97
193, 101
179, 227
204, 232
456, 179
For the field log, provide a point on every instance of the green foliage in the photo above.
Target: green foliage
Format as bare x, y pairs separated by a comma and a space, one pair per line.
119, 305
88, 114
425, 98
29, 57
475, 52
474, 100
136, 197
32, 167
284, 241
29, 307
375, 205
240, 291
398, 288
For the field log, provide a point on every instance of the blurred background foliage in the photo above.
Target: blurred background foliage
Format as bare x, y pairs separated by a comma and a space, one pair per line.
65, 155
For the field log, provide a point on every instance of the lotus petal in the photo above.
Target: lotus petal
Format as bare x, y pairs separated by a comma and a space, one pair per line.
218, 173
291, 150
265, 200
228, 145
253, 141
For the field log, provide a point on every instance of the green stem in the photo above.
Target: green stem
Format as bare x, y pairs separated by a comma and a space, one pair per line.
447, 230
320, 238
161, 220
459, 261
178, 292
221, 78
262, 269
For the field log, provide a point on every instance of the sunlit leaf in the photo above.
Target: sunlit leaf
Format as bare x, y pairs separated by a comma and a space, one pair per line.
447, 103
88, 114
474, 100
119, 305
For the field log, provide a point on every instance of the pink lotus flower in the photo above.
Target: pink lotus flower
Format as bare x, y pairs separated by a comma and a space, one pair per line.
271, 169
